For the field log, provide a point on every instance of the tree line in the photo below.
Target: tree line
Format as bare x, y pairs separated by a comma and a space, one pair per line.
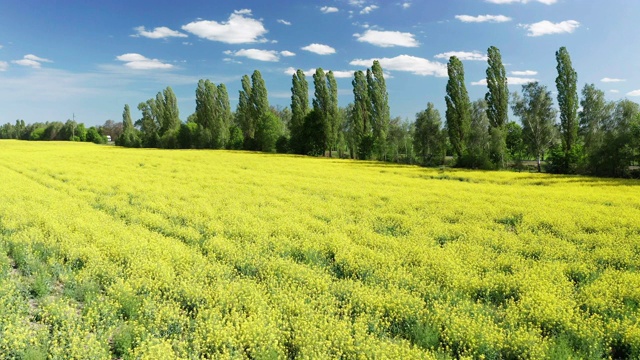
592, 136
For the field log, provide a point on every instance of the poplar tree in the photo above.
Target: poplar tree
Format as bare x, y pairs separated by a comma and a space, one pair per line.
333, 116
361, 116
299, 110
566, 84
458, 114
127, 124
379, 106
224, 117
497, 99
243, 112
321, 103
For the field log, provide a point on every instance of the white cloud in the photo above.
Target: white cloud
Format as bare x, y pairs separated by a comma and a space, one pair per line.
463, 55
368, 9
320, 49
358, 3
338, 74
231, 61
406, 5
287, 53
284, 22
161, 32
634, 93
483, 18
239, 29
139, 62
614, 91
4, 65
510, 81
328, 9
546, 2
256, 54
408, 63
387, 38
546, 27
611, 80
524, 73
31, 60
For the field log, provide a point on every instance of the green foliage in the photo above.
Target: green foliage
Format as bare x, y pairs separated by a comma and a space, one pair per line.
497, 99
380, 115
299, 110
95, 137
567, 86
428, 141
360, 119
537, 116
123, 341
236, 140
268, 131
458, 112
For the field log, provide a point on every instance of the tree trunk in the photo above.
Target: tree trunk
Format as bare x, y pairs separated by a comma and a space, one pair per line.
539, 167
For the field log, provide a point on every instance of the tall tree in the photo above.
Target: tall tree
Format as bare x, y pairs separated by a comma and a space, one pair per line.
126, 118
536, 112
321, 103
259, 105
361, 117
427, 135
243, 112
221, 136
205, 112
148, 124
497, 99
333, 115
380, 114
478, 141
458, 112
567, 86
170, 112
299, 110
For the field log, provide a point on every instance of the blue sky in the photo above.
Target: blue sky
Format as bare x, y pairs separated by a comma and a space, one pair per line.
59, 58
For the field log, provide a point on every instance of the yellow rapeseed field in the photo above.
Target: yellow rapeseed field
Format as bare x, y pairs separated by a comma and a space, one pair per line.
108, 252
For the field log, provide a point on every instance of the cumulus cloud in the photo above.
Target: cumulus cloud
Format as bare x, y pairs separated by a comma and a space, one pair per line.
611, 80
161, 32
408, 63
387, 38
328, 9
463, 55
368, 9
4, 65
338, 74
139, 62
284, 22
546, 2
406, 5
31, 60
240, 28
524, 73
320, 49
510, 81
634, 93
546, 27
256, 54
287, 53
483, 18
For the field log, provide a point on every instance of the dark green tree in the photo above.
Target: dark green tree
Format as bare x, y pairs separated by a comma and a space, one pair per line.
567, 86
299, 110
458, 114
497, 99
361, 117
380, 114
244, 116
321, 103
333, 114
